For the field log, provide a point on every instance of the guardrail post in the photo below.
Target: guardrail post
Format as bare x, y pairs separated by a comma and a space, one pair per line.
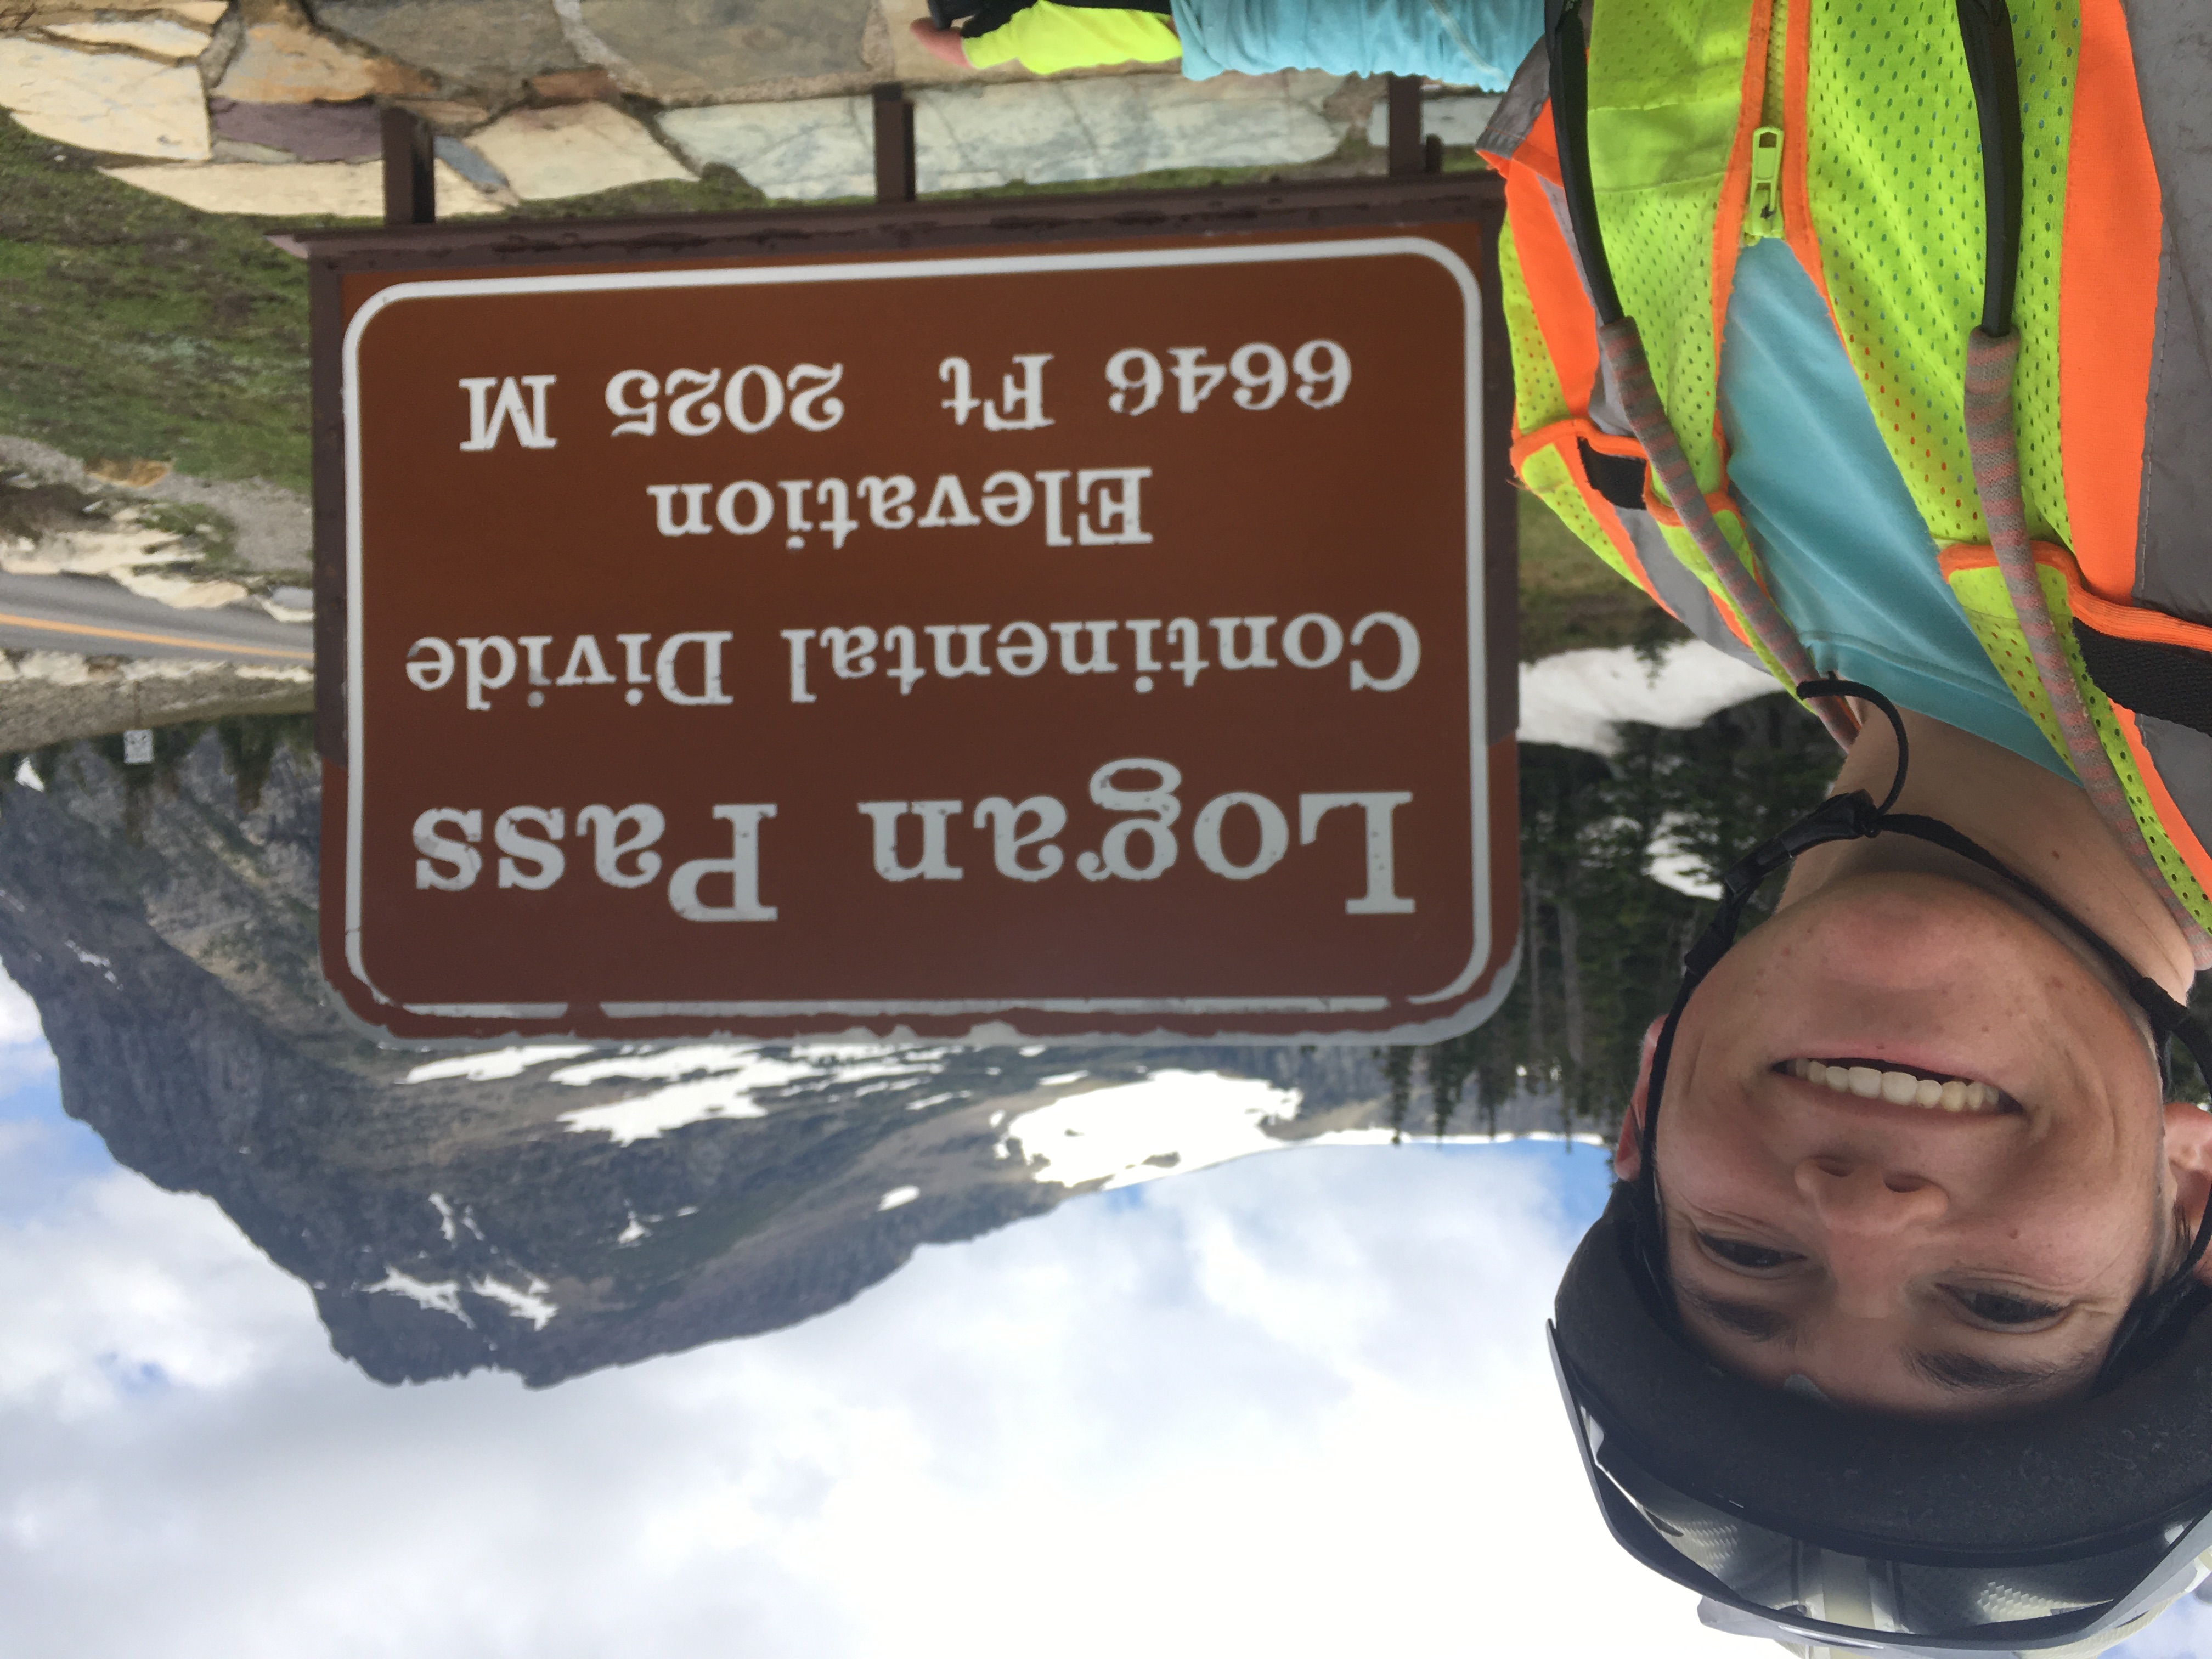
1405, 125
410, 183
894, 144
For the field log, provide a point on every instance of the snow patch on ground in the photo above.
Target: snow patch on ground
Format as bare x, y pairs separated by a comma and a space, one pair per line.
897, 1196
660, 1065
648, 1117
444, 1297
1173, 1120
530, 1303
733, 1072
1672, 865
444, 1216
1174, 1123
1575, 699
497, 1064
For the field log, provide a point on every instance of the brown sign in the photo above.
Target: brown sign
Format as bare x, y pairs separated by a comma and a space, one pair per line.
1080, 637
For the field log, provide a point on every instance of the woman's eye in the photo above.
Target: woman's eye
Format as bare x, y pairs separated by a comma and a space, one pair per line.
1738, 1254
1995, 1308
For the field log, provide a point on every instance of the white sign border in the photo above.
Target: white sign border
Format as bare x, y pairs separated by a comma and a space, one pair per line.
908, 268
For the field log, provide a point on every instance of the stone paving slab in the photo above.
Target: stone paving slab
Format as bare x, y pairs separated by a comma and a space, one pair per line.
158, 37
573, 149
16, 15
975, 137
287, 62
810, 149
489, 48
349, 190
109, 101
1454, 118
549, 92
306, 132
698, 51
970, 137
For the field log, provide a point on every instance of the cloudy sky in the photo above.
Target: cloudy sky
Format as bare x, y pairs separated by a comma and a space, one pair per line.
1293, 1404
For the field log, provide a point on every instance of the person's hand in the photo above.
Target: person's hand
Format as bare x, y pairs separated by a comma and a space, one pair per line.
944, 44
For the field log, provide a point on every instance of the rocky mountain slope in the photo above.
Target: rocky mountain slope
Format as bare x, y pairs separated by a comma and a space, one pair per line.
546, 1211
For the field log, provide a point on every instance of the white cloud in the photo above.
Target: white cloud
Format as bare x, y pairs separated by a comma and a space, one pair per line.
24, 1055
2184, 1632
118, 1290
1296, 1405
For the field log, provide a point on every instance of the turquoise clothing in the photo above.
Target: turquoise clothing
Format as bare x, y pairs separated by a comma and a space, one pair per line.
1461, 42
1847, 554
1845, 551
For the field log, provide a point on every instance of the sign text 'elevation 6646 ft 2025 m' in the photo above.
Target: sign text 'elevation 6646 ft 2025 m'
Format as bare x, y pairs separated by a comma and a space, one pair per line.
1082, 636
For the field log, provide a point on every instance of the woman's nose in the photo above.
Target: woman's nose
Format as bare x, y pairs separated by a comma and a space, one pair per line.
1871, 1215
1860, 1196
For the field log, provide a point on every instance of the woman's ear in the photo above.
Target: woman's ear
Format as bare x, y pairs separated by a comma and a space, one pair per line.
1628, 1152
2189, 1156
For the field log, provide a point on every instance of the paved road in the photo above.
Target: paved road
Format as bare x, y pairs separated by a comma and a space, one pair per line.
93, 615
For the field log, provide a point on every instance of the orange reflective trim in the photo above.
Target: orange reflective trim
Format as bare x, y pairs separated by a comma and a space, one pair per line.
1540, 150
1980, 556
1736, 189
1796, 144
1561, 438
1547, 267
1608, 443
2124, 622
2170, 815
1529, 444
1966, 555
2135, 621
2121, 618
1718, 501
2107, 303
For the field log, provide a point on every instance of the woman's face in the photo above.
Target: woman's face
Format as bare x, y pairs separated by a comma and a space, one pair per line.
1906, 1257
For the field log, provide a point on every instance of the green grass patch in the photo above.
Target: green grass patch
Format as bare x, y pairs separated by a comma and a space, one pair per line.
136, 327
1572, 600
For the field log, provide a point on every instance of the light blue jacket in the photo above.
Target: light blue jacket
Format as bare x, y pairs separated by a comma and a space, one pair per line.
1461, 42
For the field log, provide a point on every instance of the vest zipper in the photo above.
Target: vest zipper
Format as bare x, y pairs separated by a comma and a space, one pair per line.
1762, 205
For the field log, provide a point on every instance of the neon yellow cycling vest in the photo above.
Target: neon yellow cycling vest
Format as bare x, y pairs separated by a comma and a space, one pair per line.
1850, 127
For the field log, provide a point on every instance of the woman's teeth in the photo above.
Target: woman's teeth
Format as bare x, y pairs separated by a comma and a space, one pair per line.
1899, 1088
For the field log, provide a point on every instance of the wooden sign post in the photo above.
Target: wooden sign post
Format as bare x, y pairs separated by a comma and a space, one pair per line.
1098, 623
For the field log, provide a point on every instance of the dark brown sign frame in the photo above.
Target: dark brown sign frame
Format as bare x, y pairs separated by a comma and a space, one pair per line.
346, 268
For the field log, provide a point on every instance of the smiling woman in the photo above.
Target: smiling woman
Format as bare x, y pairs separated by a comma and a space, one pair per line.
1912, 1148
1897, 1163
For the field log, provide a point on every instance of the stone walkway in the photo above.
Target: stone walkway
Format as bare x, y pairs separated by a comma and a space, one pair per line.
269, 107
